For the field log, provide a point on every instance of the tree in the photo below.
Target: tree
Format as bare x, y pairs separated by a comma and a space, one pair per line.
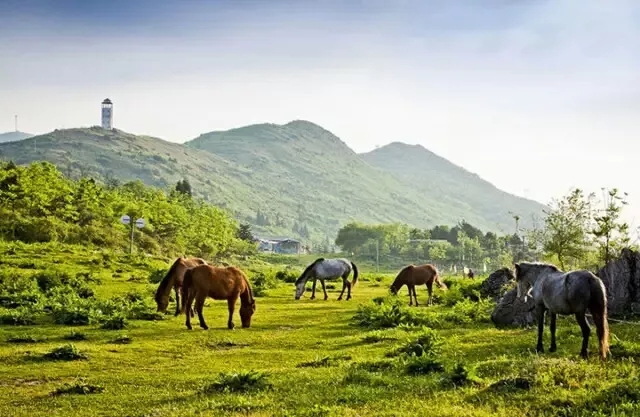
611, 234
567, 227
244, 232
184, 188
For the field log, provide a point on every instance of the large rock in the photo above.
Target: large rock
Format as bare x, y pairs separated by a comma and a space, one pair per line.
622, 280
512, 311
509, 310
495, 284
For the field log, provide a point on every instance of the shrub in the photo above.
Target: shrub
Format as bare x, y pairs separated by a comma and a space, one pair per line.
115, 321
261, 283
391, 313
427, 343
239, 382
75, 336
157, 275
18, 292
376, 336
25, 338
287, 276
77, 387
462, 375
21, 316
422, 365
67, 352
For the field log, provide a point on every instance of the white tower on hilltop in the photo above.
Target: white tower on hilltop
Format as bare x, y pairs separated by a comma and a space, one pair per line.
107, 114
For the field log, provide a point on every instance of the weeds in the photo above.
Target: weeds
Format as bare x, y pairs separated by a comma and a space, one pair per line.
67, 352
75, 336
25, 338
239, 382
79, 387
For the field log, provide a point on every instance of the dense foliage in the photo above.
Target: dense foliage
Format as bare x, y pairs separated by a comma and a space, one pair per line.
461, 245
39, 204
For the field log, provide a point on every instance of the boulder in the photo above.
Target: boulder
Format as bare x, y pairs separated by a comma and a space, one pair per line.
495, 284
621, 278
512, 311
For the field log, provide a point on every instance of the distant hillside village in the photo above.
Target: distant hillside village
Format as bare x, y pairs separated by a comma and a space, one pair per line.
285, 246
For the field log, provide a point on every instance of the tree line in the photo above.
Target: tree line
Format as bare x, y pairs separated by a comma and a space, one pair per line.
577, 231
39, 204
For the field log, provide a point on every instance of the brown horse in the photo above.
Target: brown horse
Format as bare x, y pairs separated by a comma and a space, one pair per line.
226, 283
174, 279
413, 275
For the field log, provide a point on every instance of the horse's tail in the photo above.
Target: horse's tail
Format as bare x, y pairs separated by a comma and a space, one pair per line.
598, 309
436, 278
355, 275
186, 286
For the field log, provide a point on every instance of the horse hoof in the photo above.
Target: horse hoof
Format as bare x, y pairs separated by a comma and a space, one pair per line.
540, 350
552, 348
326, 298
312, 298
584, 355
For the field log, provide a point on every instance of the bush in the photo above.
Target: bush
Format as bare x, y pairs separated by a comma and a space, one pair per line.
239, 382
78, 387
67, 352
21, 316
261, 283
391, 313
287, 276
75, 336
157, 275
25, 338
427, 343
422, 365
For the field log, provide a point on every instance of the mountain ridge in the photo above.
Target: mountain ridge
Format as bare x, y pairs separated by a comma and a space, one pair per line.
283, 179
14, 136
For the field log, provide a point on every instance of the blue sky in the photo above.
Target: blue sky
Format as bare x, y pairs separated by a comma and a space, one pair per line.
518, 91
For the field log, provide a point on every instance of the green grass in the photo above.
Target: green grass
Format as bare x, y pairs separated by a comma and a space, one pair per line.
305, 358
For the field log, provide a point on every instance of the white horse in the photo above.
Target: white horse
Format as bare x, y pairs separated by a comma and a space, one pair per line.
565, 293
322, 269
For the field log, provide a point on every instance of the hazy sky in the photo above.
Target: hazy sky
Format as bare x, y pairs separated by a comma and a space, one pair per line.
535, 96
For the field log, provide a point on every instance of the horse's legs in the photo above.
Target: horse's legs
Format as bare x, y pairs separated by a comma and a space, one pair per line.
415, 294
200, 298
231, 303
586, 331
189, 302
552, 327
313, 288
344, 285
324, 289
430, 289
346, 279
410, 294
540, 310
176, 288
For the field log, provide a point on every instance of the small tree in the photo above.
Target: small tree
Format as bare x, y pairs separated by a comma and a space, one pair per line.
567, 225
611, 234
184, 187
244, 232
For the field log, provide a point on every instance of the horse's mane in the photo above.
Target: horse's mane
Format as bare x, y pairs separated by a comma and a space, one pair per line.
306, 271
164, 284
540, 265
403, 272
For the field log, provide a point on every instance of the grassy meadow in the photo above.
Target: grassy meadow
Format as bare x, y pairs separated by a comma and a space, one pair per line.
80, 336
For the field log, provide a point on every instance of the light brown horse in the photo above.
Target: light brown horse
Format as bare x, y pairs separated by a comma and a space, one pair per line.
174, 279
413, 275
220, 283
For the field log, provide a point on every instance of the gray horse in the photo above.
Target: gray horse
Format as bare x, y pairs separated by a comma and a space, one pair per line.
322, 269
565, 293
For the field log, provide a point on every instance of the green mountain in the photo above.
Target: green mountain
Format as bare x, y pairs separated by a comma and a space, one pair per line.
296, 179
14, 136
465, 194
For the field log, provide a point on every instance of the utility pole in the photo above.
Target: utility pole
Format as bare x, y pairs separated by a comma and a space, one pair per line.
377, 256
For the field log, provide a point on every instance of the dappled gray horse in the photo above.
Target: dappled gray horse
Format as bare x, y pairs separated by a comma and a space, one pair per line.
565, 293
322, 269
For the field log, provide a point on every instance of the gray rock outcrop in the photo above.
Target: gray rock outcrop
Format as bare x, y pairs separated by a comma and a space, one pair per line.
621, 277
509, 310
495, 284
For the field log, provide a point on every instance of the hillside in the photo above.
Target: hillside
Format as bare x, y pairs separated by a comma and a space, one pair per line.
465, 193
284, 179
13, 136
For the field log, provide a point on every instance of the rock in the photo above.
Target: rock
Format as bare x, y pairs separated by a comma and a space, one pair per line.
512, 311
621, 277
494, 285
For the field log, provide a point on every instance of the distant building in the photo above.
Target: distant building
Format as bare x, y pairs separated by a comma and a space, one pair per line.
107, 114
288, 246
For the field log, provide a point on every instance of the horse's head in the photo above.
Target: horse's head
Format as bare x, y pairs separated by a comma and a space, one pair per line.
162, 302
393, 289
527, 273
300, 288
246, 311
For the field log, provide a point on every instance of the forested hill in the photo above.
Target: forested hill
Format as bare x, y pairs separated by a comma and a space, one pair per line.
13, 136
465, 194
296, 179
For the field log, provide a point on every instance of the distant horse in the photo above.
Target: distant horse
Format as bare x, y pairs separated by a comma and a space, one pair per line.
174, 279
565, 293
468, 273
220, 283
413, 275
322, 269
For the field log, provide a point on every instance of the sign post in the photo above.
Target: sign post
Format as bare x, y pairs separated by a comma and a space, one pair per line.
139, 223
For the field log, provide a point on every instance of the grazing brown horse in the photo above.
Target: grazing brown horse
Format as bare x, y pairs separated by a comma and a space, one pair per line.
220, 283
413, 275
174, 279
